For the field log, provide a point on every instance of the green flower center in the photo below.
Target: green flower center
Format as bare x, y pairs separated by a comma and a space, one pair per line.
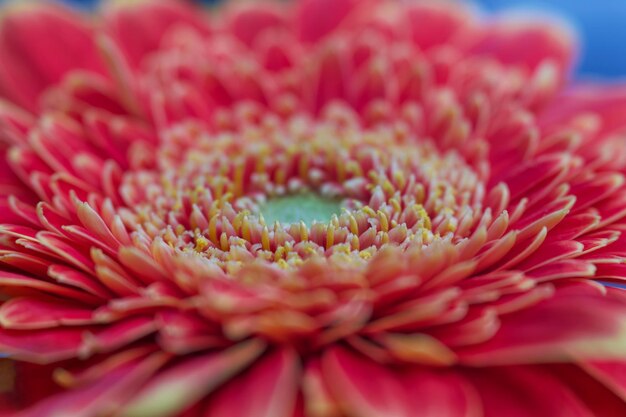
307, 207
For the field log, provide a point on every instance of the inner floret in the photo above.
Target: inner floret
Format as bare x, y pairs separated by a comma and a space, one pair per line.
289, 191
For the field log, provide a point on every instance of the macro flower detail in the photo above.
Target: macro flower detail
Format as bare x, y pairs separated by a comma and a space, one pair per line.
318, 209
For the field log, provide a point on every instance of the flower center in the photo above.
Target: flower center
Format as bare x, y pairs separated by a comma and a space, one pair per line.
306, 207
286, 192
303, 215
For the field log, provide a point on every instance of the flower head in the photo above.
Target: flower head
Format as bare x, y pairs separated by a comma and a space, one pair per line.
325, 209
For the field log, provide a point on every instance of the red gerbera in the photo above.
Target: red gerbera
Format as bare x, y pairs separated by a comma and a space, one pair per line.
325, 209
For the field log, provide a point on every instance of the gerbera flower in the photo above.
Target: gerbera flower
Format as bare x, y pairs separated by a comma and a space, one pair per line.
331, 208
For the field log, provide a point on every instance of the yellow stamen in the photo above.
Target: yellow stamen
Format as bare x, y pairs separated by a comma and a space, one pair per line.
265, 239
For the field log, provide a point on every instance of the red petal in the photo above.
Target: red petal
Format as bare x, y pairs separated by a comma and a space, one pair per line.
606, 101
611, 272
362, 387
555, 330
568, 268
434, 24
598, 188
25, 392
529, 42
181, 333
53, 345
249, 21
596, 396
269, 389
317, 400
21, 284
181, 386
551, 252
39, 43
317, 18
142, 264
538, 171
8, 407
611, 374
32, 313
139, 26
330, 77
41, 346
115, 336
525, 392
71, 277
441, 393
14, 124
102, 396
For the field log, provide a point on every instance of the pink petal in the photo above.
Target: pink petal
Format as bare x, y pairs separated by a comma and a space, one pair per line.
608, 102
104, 395
179, 387
11, 283
138, 26
318, 18
522, 178
317, 400
330, 78
525, 392
529, 42
612, 374
33, 313
417, 348
611, 272
142, 264
574, 225
8, 213
556, 330
434, 24
598, 188
39, 44
438, 393
184, 332
64, 249
117, 335
53, 345
362, 387
8, 406
598, 398
25, 391
25, 262
14, 123
250, 21
269, 388
71, 277
550, 252
568, 268
41, 346
475, 328
82, 91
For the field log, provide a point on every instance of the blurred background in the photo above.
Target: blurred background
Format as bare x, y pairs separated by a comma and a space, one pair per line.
601, 25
